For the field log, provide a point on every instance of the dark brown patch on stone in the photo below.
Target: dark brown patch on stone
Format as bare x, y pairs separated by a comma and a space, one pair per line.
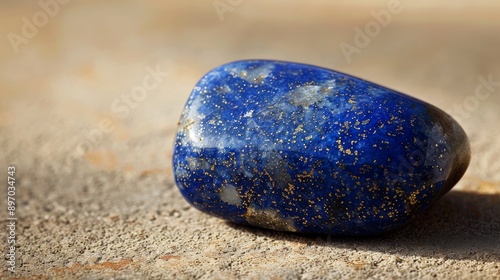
460, 151
268, 219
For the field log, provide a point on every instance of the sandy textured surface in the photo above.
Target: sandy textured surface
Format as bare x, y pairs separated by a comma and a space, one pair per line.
95, 192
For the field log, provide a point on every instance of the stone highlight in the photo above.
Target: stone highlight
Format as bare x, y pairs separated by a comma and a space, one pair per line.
295, 147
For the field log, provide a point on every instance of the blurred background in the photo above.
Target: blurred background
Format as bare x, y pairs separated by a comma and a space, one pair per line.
91, 92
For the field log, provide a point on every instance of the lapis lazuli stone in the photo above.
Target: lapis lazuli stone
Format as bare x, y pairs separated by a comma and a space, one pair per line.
294, 147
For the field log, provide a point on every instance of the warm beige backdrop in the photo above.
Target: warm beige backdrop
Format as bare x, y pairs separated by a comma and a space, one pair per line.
92, 146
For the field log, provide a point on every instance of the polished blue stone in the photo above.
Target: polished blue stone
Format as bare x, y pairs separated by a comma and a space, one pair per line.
294, 147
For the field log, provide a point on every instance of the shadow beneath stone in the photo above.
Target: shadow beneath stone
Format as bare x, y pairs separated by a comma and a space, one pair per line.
461, 226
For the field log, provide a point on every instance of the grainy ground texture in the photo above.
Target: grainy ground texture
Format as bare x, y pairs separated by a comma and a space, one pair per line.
91, 92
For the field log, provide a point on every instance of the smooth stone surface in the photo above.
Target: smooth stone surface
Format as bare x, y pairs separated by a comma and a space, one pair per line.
294, 147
